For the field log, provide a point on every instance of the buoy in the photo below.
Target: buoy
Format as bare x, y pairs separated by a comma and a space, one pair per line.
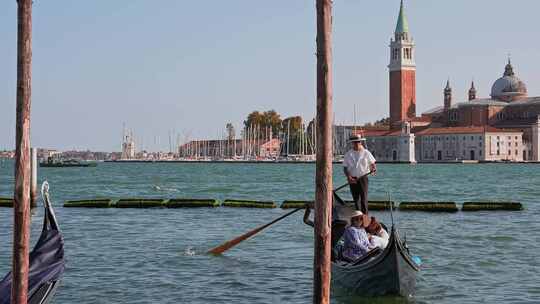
189, 202
6, 202
248, 203
478, 206
90, 203
417, 260
140, 203
292, 204
429, 206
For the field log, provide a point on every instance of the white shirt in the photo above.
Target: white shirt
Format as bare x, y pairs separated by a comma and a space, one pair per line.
380, 239
358, 162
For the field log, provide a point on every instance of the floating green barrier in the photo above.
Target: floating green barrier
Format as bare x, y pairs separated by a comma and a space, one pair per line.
293, 204
429, 206
376, 205
140, 203
381, 205
189, 202
248, 204
6, 202
90, 203
478, 206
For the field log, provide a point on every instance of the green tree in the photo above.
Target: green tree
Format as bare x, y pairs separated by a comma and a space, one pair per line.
231, 133
268, 119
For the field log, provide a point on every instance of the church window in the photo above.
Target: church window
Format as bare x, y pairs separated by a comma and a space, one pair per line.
516, 144
498, 144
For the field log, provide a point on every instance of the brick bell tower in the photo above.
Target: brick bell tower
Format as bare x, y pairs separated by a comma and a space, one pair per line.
402, 69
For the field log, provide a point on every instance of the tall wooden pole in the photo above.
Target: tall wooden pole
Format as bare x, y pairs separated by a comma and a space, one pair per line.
323, 180
21, 207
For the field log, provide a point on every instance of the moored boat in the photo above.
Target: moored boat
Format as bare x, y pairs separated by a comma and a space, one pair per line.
66, 163
47, 262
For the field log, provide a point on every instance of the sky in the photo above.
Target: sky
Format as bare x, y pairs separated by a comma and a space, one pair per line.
185, 69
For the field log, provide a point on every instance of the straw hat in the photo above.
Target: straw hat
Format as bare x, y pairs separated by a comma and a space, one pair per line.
356, 213
356, 138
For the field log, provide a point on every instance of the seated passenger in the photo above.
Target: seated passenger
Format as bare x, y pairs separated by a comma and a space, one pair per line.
378, 237
355, 238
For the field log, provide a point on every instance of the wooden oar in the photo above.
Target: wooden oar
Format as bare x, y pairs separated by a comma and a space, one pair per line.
229, 244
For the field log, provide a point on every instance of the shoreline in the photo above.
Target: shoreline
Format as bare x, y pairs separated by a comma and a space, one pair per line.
305, 162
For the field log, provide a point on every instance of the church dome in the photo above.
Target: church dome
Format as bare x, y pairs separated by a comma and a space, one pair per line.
509, 87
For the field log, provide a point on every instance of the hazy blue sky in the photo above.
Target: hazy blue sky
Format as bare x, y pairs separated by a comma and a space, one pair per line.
193, 66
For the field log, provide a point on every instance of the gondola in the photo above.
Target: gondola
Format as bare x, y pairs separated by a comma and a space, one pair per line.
47, 262
391, 271
381, 272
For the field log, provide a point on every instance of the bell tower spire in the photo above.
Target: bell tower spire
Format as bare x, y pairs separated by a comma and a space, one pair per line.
447, 95
472, 91
402, 69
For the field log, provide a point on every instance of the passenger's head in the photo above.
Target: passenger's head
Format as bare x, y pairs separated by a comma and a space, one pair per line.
373, 226
357, 219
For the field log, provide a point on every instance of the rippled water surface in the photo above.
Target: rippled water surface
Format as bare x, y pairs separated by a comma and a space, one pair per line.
157, 255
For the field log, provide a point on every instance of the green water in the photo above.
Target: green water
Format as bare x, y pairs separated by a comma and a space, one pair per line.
157, 255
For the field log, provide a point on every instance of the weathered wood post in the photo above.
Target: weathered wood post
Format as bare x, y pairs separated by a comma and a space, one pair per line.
21, 206
33, 178
323, 179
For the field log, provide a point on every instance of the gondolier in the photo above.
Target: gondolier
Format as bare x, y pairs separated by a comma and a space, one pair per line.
358, 163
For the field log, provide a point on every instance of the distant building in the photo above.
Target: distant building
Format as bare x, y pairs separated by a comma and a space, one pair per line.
230, 148
128, 146
7, 154
504, 127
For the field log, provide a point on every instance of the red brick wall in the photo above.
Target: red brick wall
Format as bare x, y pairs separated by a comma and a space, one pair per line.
402, 95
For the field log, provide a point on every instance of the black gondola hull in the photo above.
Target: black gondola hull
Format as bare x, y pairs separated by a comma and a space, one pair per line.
391, 272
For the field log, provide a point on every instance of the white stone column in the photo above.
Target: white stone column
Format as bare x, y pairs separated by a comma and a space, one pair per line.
536, 140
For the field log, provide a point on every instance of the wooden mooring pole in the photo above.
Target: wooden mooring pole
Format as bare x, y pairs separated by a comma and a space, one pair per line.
323, 179
21, 206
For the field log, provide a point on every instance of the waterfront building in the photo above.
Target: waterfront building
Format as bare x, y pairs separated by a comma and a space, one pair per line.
503, 127
230, 149
483, 143
128, 146
508, 107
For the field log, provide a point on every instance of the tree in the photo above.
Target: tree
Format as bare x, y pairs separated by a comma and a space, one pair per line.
231, 133
273, 120
268, 119
296, 124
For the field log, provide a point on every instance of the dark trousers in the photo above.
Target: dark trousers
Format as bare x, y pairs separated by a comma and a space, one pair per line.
359, 193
